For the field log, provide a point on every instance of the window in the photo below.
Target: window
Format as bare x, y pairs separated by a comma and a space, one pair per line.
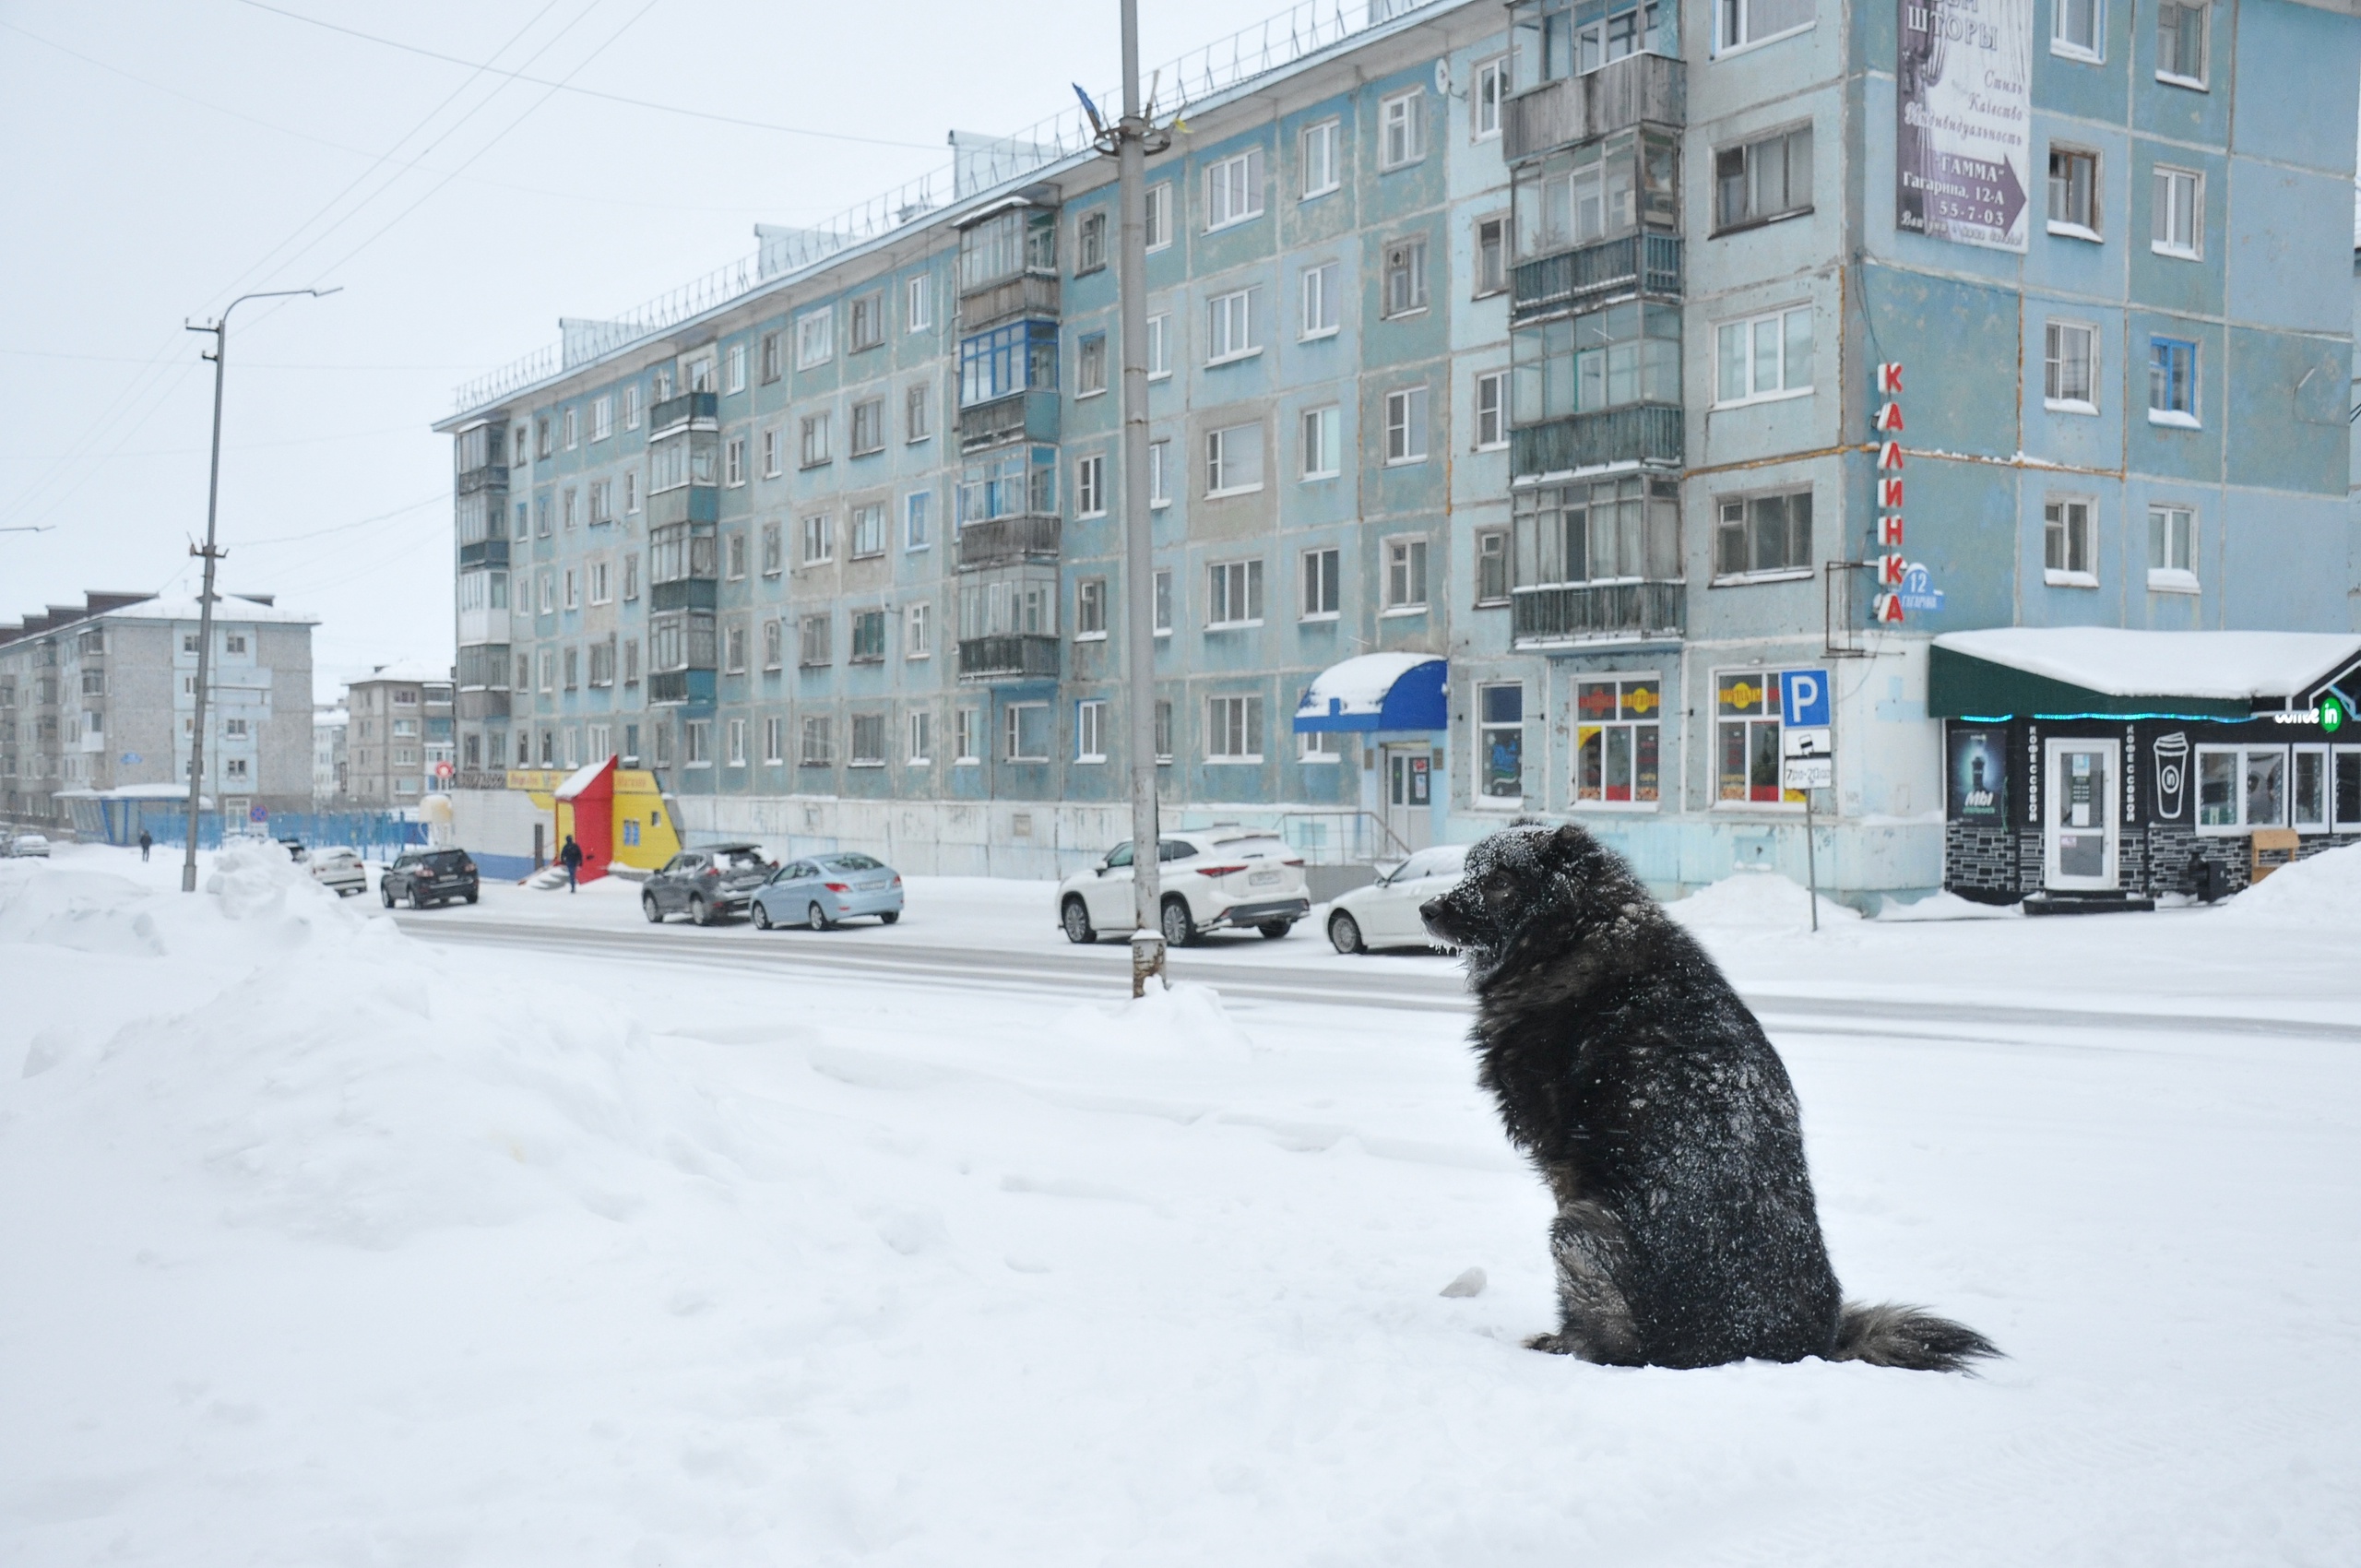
1320, 745
573, 595
868, 741
1320, 300
1738, 23
1090, 487
1007, 359
701, 375
1318, 145
2240, 789
1405, 425
734, 655
1026, 732
1492, 86
918, 631
2180, 45
868, 638
1163, 731
918, 412
966, 735
602, 418
631, 410
1762, 180
2178, 201
1157, 214
1491, 257
631, 577
2073, 191
770, 453
1764, 533
774, 645
541, 436
1234, 729
918, 304
1230, 326
1323, 436
775, 741
736, 755
2172, 549
631, 490
868, 426
1234, 189
1616, 742
1234, 594
1499, 743
631, 661
573, 428
1233, 460
1626, 353
569, 505
1159, 346
542, 516
602, 583
663, 746
816, 340
922, 727
1587, 194
868, 529
866, 326
1009, 483
769, 357
2069, 349
1163, 596
1406, 575
1090, 610
815, 440
1405, 277
2078, 29
2066, 557
2172, 382
918, 519
733, 461
812, 649
1320, 586
1746, 739
1401, 130
572, 657
774, 551
1491, 410
1090, 732
1492, 566
737, 382
1767, 356
1090, 243
819, 539
819, 746
1090, 365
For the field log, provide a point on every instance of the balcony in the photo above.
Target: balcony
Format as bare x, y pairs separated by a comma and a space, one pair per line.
1642, 433
1028, 293
684, 504
683, 593
1580, 612
1027, 416
1006, 542
1572, 281
673, 687
484, 553
1013, 656
687, 408
1637, 88
480, 702
490, 476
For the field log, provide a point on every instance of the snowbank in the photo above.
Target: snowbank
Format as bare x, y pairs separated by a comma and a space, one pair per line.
1946, 906
1756, 901
2323, 889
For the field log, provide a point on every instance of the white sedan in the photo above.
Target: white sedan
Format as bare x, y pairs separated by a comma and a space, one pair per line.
341, 869
1385, 913
1215, 879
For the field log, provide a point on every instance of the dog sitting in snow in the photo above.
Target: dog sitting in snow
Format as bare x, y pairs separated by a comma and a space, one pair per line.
1663, 1120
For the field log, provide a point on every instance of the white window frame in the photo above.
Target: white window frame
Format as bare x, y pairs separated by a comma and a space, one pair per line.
1327, 137
819, 538
2240, 752
1316, 746
918, 520
2326, 755
733, 462
1234, 717
1491, 410
967, 737
771, 465
1229, 327
920, 735
1013, 732
2168, 576
1749, 326
1160, 602
2204, 45
737, 383
1234, 594
1743, 10
918, 303
2166, 182
1408, 426
1320, 573
815, 337
1090, 486
602, 417
2055, 334
1233, 190
918, 631
1318, 317
2062, 43
1090, 731
1156, 206
1090, 610
1401, 130
2058, 517
736, 754
1159, 346
2066, 227
1222, 463
1323, 440
775, 741
1406, 581
1159, 474
1487, 97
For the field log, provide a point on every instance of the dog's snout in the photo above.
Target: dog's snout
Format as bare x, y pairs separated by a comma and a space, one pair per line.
1433, 910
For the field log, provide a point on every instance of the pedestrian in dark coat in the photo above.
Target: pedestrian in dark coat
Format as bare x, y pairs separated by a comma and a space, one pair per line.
571, 855
147, 842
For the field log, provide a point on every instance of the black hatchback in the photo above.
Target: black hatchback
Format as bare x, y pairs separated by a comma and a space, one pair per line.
706, 883
427, 877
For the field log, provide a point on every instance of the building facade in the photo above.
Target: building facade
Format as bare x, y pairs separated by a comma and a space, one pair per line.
1589, 349
102, 696
328, 724
398, 737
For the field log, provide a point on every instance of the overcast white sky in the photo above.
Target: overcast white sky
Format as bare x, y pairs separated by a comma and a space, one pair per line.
164, 158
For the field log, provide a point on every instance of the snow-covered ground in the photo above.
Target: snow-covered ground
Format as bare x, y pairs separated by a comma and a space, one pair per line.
326, 1244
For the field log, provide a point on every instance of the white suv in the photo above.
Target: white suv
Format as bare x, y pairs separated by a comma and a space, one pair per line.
1222, 878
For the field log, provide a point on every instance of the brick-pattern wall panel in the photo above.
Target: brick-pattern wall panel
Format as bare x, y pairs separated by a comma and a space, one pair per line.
1981, 863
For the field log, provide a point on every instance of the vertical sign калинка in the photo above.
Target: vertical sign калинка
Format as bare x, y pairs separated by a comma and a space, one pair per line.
1963, 94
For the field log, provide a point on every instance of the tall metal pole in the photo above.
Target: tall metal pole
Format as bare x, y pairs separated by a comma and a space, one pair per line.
219, 356
1135, 138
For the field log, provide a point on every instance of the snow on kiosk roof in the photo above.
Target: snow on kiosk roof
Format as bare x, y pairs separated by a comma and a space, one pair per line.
1376, 691
2063, 671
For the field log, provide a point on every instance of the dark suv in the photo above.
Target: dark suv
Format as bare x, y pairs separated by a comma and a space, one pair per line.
706, 883
429, 876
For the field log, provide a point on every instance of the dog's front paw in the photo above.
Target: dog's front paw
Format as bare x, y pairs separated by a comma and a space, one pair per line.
1553, 1344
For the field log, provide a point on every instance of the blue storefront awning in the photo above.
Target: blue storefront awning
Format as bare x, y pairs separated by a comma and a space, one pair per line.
1377, 690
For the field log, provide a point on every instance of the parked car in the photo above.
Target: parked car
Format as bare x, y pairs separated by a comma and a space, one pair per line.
1222, 879
341, 869
706, 883
294, 848
28, 844
823, 889
428, 876
1385, 912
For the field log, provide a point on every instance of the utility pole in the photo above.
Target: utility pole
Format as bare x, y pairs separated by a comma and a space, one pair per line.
1130, 140
211, 553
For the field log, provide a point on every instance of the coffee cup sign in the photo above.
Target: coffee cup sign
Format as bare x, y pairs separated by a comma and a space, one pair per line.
2172, 775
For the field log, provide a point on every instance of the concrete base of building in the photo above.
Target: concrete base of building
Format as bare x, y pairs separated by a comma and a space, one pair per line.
1862, 862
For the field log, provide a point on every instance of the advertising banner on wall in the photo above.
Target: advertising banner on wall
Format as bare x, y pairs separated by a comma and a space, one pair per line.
1978, 781
1963, 149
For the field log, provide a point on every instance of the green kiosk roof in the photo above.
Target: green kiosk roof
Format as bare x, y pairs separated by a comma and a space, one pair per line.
2066, 672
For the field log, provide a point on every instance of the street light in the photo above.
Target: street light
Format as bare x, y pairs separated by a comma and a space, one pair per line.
220, 330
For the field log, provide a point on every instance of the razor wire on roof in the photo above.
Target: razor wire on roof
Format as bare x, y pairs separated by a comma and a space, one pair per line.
978, 165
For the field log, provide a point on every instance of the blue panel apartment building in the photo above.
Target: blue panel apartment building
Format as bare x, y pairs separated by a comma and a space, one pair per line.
1539, 340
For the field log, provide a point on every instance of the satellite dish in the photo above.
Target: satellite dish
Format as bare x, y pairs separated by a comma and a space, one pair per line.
1442, 77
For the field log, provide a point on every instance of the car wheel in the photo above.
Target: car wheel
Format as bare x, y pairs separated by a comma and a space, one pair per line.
471, 898
700, 911
1075, 918
651, 909
1276, 929
416, 902
889, 917
816, 918
386, 893
759, 915
1180, 926
1344, 933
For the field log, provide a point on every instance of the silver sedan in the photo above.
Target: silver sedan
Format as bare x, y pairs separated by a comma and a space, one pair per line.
820, 890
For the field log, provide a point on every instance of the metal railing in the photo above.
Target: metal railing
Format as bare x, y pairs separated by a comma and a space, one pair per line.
1010, 656
1641, 433
978, 165
1635, 264
1342, 837
1001, 541
1584, 612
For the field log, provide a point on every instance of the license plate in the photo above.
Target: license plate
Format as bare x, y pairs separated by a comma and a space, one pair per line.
1263, 879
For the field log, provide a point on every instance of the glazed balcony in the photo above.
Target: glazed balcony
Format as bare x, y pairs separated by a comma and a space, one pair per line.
1006, 299
672, 688
1581, 279
1025, 416
1008, 542
1648, 433
1558, 613
479, 702
687, 408
1636, 89
1012, 656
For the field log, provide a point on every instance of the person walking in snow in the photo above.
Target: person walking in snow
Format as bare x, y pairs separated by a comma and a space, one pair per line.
571, 855
147, 842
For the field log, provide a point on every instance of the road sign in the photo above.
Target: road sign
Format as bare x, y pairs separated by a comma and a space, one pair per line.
1804, 743
443, 771
131, 759
1803, 698
1807, 773
258, 814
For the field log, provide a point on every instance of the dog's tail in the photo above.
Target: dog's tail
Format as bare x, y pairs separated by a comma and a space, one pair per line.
1891, 1336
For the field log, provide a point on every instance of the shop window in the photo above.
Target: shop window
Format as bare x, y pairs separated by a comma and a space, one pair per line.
1500, 742
2345, 789
1618, 740
1746, 706
2308, 791
2240, 789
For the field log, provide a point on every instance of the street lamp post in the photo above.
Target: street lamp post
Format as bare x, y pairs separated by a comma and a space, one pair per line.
220, 331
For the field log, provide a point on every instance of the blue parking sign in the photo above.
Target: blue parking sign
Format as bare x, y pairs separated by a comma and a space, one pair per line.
1803, 698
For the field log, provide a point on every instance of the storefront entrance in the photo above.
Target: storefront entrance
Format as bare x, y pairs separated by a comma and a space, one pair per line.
2081, 826
1409, 799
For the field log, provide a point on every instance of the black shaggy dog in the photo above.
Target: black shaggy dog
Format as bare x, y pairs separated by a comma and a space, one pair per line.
1663, 1120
